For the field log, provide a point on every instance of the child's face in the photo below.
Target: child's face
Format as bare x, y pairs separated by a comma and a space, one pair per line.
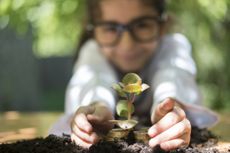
128, 54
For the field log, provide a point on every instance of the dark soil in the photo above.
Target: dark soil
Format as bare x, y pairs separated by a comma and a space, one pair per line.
201, 142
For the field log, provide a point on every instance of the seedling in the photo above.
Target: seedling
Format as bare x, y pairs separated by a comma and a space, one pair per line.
130, 86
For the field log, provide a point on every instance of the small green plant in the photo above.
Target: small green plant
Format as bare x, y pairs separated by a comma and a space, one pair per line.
130, 86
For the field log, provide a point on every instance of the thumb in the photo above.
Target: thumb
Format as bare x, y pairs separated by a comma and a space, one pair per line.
100, 118
95, 118
162, 109
99, 123
101, 114
86, 110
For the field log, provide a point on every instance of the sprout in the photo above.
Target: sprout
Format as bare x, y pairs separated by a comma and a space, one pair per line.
130, 86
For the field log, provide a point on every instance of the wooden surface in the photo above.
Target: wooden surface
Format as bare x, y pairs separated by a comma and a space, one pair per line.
17, 126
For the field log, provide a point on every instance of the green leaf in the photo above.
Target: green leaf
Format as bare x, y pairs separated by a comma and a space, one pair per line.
131, 78
144, 87
121, 84
124, 124
138, 93
133, 88
119, 90
116, 87
122, 108
122, 94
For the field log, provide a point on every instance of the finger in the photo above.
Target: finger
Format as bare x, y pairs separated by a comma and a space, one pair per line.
94, 118
172, 144
82, 122
163, 108
186, 137
181, 142
86, 110
89, 138
174, 132
101, 114
167, 121
79, 141
98, 122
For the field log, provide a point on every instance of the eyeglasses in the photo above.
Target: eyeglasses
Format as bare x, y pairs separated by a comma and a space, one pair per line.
143, 29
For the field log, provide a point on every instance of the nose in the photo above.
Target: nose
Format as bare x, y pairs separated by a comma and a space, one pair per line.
126, 42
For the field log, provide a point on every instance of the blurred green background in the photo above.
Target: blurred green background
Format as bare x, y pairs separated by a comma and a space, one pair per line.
38, 40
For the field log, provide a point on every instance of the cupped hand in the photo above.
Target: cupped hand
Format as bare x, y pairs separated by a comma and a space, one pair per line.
89, 122
171, 129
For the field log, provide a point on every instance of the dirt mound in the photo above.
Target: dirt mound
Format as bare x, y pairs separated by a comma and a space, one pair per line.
202, 141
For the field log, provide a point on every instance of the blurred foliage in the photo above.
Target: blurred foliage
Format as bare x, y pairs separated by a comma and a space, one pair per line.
207, 25
56, 26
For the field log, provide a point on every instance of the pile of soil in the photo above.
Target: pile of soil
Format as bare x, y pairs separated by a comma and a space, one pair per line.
201, 142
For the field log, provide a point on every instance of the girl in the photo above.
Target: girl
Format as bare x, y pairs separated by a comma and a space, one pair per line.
129, 36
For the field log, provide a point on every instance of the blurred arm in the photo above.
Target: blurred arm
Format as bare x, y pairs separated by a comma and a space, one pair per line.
91, 82
175, 77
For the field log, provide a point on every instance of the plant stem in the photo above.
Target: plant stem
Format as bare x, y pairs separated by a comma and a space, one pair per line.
130, 102
129, 109
133, 98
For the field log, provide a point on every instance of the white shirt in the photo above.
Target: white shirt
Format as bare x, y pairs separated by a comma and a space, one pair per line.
171, 73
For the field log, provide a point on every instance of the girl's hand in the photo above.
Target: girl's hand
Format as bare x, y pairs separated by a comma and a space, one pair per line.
88, 122
171, 129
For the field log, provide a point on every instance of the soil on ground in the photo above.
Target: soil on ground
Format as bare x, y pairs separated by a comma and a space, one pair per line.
202, 141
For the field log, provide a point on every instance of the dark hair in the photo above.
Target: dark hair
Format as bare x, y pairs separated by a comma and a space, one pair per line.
93, 12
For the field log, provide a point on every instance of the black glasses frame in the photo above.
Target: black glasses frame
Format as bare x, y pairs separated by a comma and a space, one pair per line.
127, 27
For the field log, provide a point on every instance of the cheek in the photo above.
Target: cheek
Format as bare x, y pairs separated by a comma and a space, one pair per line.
107, 52
148, 48
140, 54
145, 50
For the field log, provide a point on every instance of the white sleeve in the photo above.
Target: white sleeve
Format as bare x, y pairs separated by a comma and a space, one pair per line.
91, 81
175, 77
